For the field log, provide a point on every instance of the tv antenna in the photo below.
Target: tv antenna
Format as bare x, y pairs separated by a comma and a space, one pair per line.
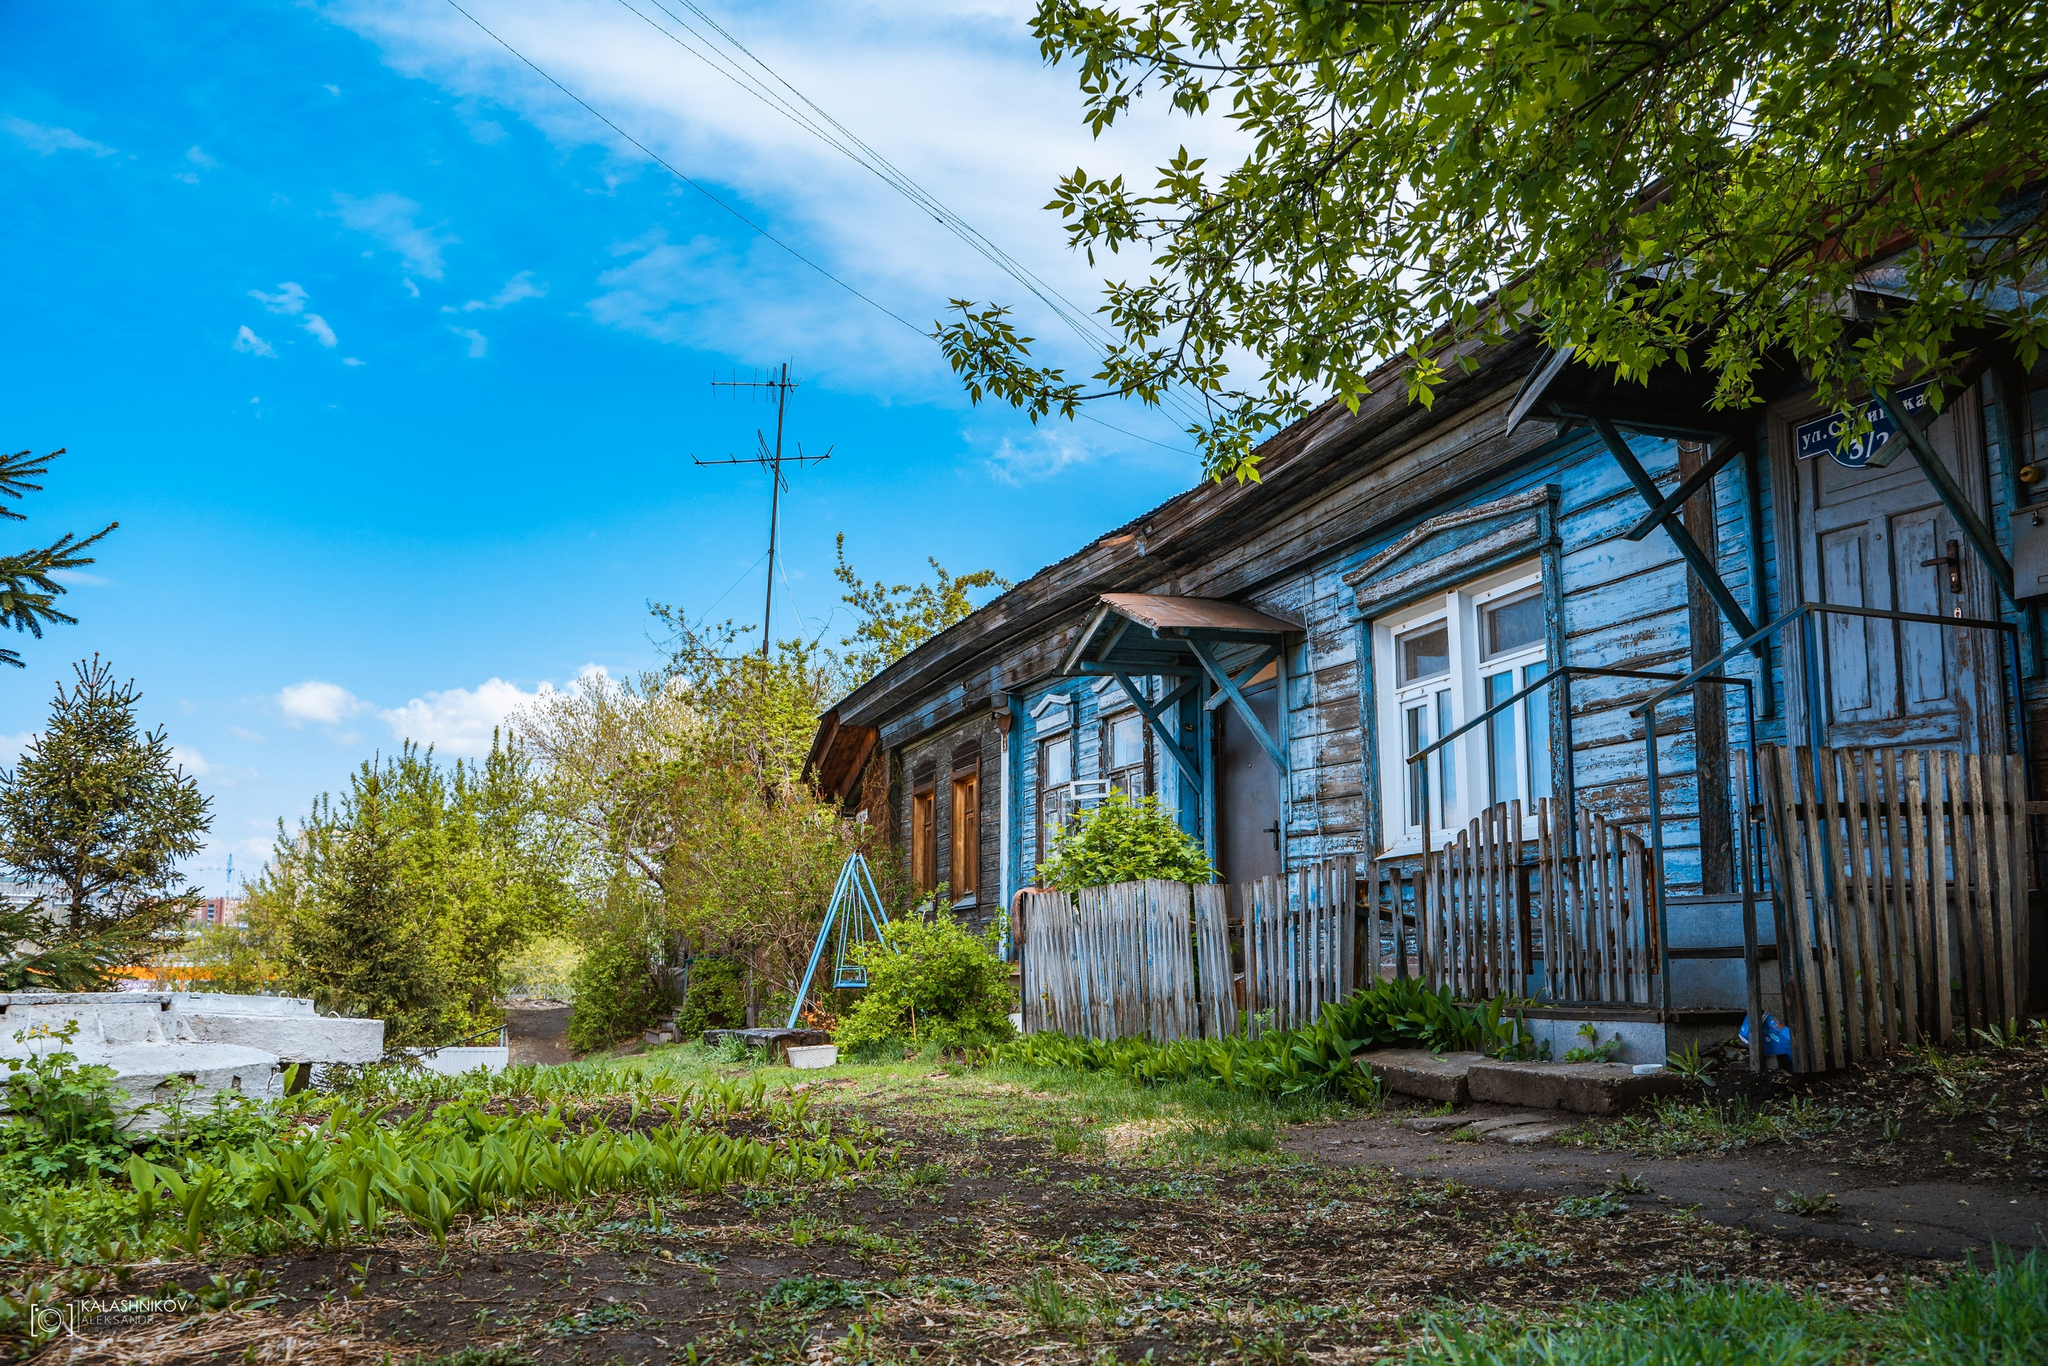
773, 460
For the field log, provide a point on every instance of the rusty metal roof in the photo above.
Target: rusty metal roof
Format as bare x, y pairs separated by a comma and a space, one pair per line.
1157, 612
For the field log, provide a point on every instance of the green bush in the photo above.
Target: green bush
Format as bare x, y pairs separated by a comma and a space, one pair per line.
933, 982
618, 993
716, 997
1123, 841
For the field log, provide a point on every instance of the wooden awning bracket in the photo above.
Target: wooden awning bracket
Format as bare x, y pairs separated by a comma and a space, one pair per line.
1222, 679
1722, 450
1701, 564
1156, 715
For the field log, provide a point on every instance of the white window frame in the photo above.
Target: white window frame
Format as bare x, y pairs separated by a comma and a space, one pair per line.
1460, 608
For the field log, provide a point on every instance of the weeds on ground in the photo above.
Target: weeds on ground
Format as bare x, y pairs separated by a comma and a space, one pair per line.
1807, 1206
1671, 1127
1999, 1318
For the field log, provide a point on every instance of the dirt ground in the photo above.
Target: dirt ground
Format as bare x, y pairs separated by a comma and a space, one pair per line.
1022, 1226
538, 1032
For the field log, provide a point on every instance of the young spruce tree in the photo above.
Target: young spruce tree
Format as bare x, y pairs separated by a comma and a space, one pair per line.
100, 807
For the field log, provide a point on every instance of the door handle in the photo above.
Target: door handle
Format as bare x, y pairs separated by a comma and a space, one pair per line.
1274, 831
1954, 561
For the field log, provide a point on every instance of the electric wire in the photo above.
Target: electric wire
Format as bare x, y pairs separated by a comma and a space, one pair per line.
1078, 321
849, 144
664, 163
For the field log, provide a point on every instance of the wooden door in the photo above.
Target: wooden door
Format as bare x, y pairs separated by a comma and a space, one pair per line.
1248, 843
1882, 538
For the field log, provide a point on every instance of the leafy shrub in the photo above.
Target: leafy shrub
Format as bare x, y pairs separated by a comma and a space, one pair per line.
1315, 1058
933, 981
62, 1120
716, 997
617, 992
1124, 841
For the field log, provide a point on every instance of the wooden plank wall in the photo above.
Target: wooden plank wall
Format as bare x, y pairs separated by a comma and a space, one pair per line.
1909, 920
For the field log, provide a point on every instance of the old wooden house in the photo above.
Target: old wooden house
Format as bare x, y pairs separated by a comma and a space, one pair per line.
1476, 621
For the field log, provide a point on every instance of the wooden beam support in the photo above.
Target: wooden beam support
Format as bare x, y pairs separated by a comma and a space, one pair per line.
1726, 449
1221, 677
1162, 729
1702, 565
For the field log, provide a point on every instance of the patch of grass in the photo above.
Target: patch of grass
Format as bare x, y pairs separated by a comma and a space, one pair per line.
1104, 1252
927, 1174
1050, 1303
1671, 1127
1592, 1206
1518, 1252
480, 1356
1809, 1206
1989, 1318
591, 1321
814, 1294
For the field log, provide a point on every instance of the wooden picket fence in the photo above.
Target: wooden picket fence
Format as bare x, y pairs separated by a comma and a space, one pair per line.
1491, 904
1300, 943
1168, 961
1921, 931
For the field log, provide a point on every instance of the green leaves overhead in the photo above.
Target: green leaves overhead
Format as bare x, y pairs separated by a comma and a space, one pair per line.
1849, 185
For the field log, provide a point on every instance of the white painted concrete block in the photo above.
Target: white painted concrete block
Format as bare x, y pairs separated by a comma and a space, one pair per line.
816, 1055
453, 1062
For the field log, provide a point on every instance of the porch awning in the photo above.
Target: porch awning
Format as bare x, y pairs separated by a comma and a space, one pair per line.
1192, 639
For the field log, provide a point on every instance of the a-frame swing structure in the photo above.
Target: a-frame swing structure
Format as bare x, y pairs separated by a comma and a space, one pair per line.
856, 911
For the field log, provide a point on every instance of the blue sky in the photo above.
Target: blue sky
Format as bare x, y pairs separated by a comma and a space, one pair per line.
390, 361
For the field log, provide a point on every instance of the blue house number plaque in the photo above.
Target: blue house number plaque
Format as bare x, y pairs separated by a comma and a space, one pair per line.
1823, 435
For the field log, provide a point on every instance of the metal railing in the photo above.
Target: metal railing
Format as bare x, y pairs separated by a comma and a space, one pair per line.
1816, 734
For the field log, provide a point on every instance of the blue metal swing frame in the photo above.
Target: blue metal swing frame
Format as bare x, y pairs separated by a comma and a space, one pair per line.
856, 886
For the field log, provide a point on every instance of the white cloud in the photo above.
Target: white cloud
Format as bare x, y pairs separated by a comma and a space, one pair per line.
332, 89
191, 760
78, 578
11, 747
52, 140
458, 721
317, 325
199, 766
956, 95
410, 288
393, 220
325, 704
351, 360
477, 341
520, 286
201, 159
290, 298
247, 340
1046, 452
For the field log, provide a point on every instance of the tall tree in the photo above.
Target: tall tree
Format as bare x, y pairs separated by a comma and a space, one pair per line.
894, 620
28, 592
451, 868
1853, 184
100, 807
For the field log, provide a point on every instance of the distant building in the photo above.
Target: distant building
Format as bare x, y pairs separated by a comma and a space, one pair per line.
218, 910
18, 895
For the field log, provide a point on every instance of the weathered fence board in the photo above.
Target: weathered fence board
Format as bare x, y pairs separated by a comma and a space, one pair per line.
1902, 878
1300, 943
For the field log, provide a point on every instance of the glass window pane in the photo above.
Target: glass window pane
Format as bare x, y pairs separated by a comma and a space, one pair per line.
1446, 766
1127, 742
1425, 653
1538, 708
1417, 725
1059, 762
1502, 781
1514, 625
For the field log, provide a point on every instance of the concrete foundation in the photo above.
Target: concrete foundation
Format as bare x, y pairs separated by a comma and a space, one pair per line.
184, 1045
1418, 1072
1586, 1088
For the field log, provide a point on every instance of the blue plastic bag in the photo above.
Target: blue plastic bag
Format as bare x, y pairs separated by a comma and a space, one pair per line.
1777, 1038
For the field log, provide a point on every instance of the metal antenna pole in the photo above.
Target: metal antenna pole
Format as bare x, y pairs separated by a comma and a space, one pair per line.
773, 460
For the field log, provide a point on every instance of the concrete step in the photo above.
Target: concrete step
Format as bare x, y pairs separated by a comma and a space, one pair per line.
1586, 1088
1440, 1077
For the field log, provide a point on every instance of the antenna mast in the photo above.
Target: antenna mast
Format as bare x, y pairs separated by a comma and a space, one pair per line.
773, 460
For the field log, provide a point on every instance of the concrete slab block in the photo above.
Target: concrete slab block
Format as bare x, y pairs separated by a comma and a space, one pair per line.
1586, 1088
776, 1042
1531, 1133
453, 1062
293, 1038
1499, 1122
1418, 1072
1435, 1124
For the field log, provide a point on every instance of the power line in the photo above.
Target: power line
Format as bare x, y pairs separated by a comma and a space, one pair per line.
849, 144
1064, 309
663, 162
